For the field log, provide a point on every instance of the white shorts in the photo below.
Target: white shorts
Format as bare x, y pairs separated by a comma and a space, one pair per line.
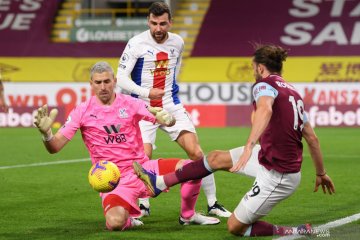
269, 188
252, 166
183, 123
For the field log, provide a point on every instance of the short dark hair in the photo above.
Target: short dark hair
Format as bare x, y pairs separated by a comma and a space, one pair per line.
271, 56
159, 8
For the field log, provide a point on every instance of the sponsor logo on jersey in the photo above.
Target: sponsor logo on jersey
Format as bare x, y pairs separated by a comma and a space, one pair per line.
111, 138
161, 64
112, 128
161, 68
258, 89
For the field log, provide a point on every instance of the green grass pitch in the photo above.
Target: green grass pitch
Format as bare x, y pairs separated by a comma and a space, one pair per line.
57, 202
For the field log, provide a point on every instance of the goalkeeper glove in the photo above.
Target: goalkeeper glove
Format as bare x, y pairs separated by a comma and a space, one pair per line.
43, 121
154, 110
165, 118
162, 116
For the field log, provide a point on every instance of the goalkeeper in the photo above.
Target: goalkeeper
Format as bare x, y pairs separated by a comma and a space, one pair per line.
109, 124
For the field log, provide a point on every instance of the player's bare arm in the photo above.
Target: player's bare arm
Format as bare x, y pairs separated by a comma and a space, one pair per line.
56, 143
261, 119
314, 147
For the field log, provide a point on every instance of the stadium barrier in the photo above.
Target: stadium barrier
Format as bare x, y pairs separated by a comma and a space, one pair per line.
209, 104
221, 69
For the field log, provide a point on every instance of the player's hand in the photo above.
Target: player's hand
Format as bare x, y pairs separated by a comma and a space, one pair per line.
156, 93
43, 121
326, 184
165, 118
244, 158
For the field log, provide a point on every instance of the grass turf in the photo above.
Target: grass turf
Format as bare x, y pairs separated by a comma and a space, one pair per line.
57, 202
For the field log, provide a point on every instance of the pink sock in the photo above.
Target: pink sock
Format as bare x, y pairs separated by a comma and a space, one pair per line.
189, 194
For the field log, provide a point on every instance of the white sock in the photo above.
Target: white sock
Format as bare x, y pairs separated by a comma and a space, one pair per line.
248, 231
208, 185
160, 183
206, 164
145, 202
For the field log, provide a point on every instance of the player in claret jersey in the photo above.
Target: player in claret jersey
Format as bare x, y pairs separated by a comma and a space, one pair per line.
148, 69
279, 124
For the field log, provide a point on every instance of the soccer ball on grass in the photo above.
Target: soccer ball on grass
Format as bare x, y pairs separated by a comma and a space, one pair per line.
104, 176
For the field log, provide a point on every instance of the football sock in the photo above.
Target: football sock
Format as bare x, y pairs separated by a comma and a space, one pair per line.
283, 231
160, 183
189, 194
208, 185
191, 171
261, 228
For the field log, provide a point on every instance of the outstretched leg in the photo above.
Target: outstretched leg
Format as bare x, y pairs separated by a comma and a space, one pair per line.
189, 190
216, 160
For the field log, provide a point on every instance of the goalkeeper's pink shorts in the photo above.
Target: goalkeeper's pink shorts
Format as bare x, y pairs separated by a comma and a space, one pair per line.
130, 187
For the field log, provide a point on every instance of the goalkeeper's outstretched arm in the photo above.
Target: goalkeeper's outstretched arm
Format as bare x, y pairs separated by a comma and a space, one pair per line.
43, 121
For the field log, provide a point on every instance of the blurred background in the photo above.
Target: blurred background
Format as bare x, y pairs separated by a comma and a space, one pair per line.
47, 47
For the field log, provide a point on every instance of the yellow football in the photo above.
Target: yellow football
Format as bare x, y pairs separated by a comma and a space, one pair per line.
104, 176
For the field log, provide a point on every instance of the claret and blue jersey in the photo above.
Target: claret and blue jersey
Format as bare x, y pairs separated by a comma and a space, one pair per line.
281, 146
